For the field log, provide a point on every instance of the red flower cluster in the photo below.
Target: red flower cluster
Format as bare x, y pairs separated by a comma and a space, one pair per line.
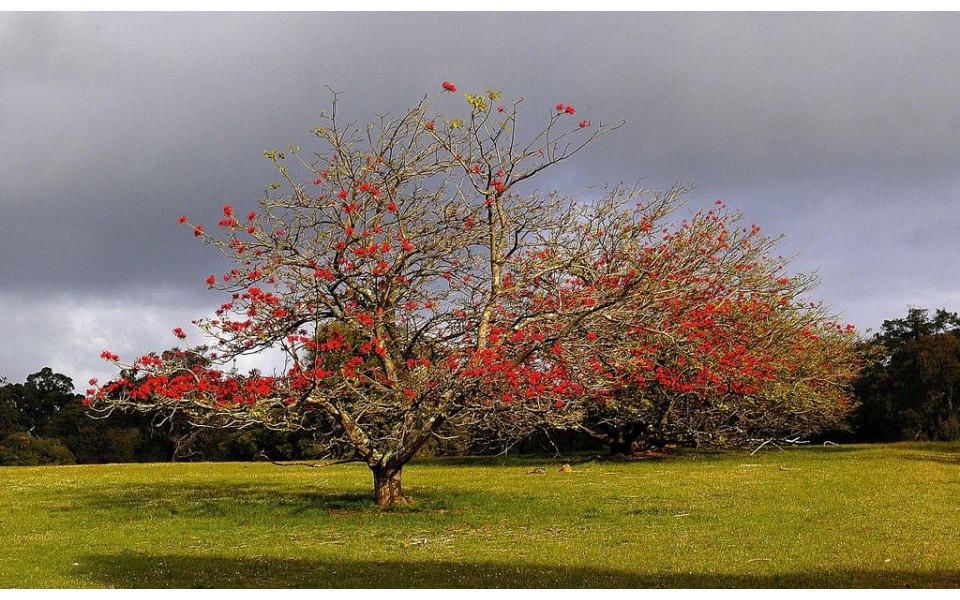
449, 86
200, 382
366, 187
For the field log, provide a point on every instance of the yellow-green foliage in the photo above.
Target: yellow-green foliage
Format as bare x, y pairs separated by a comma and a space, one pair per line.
864, 516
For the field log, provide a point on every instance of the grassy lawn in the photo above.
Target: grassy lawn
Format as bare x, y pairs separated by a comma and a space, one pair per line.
852, 516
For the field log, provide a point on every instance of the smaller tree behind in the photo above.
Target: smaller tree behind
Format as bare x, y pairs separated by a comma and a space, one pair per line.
723, 350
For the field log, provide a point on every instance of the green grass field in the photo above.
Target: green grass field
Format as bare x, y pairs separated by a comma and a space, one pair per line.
852, 516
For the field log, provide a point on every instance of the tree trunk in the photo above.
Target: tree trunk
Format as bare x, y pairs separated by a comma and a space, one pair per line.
386, 486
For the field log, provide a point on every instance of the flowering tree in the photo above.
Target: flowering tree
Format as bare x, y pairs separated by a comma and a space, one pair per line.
412, 279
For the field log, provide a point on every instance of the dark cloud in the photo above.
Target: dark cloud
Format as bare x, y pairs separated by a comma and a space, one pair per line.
837, 129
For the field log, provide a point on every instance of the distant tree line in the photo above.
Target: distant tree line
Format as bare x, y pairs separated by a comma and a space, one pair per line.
909, 388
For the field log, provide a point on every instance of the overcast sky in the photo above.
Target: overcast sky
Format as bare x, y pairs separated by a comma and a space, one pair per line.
841, 131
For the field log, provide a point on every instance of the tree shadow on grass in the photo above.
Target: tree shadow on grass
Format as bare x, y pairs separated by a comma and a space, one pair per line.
515, 460
137, 570
217, 499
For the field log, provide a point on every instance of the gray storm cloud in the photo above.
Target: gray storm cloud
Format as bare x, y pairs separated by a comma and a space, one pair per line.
838, 130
